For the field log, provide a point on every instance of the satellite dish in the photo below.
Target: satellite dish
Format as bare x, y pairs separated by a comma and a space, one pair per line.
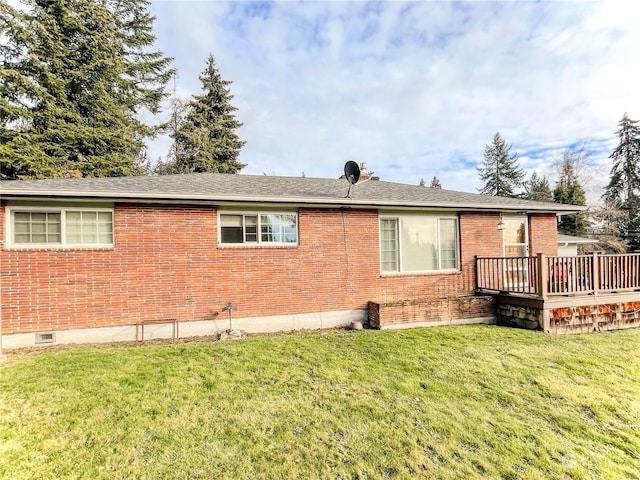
352, 172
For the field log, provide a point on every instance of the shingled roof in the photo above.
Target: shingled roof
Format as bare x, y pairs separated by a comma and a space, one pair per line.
218, 188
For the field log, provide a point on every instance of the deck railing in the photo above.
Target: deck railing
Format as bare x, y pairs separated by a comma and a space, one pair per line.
545, 276
507, 274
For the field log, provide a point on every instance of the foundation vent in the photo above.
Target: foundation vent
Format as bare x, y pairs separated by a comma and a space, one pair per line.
45, 337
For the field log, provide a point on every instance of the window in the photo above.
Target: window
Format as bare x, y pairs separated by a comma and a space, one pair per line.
88, 227
60, 227
238, 228
259, 228
389, 245
418, 243
448, 243
36, 227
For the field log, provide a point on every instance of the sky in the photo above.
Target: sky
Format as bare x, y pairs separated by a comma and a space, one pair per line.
413, 89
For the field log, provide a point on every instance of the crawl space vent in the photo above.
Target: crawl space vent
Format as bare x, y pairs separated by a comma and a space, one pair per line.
47, 337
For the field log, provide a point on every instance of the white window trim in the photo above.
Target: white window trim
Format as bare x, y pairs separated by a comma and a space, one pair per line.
259, 242
63, 233
401, 270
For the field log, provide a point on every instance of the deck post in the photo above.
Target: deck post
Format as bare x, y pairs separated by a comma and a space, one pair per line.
595, 272
475, 265
543, 275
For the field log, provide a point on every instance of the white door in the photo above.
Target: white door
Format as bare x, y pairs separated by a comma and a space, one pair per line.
515, 239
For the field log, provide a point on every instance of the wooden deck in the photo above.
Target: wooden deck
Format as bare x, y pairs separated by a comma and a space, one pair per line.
563, 294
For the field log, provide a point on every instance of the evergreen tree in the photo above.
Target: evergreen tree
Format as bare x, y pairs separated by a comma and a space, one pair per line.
569, 191
633, 225
537, 188
206, 140
580, 159
145, 73
163, 167
167, 166
422, 183
75, 77
623, 190
435, 183
499, 170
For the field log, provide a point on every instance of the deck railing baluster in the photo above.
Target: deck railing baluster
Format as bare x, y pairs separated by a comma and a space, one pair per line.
554, 275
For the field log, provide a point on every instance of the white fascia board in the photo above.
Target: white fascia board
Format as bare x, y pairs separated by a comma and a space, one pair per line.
137, 197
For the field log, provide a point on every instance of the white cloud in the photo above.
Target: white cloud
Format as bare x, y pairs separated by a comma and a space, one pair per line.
414, 89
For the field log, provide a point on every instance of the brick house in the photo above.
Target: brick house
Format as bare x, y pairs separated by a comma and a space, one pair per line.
86, 260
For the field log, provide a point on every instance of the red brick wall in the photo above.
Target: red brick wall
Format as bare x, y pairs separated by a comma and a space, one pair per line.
543, 234
438, 311
166, 263
2, 224
141, 277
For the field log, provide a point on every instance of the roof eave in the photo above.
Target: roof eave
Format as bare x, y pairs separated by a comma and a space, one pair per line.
559, 209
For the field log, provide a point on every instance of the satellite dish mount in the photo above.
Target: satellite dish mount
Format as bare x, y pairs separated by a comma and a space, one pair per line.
352, 174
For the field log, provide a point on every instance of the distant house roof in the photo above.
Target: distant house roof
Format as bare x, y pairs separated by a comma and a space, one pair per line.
567, 239
230, 188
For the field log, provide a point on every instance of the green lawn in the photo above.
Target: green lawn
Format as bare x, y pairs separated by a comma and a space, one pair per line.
461, 402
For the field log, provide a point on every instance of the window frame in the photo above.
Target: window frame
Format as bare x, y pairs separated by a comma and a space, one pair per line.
439, 217
396, 240
259, 241
62, 211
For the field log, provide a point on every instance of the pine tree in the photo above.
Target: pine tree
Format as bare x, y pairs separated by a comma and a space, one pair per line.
623, 190
206, 140
500, 170
435, 182
633, 225
583, 166
569, 191
167, 165
75, 77
145, 73
537, 188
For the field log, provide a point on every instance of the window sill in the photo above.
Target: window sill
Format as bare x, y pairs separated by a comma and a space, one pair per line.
420, 274
257, 246
58, 247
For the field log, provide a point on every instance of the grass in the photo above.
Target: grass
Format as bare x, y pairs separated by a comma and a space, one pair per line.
462, 402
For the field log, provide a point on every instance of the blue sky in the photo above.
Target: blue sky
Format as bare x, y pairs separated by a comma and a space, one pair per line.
414, 89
